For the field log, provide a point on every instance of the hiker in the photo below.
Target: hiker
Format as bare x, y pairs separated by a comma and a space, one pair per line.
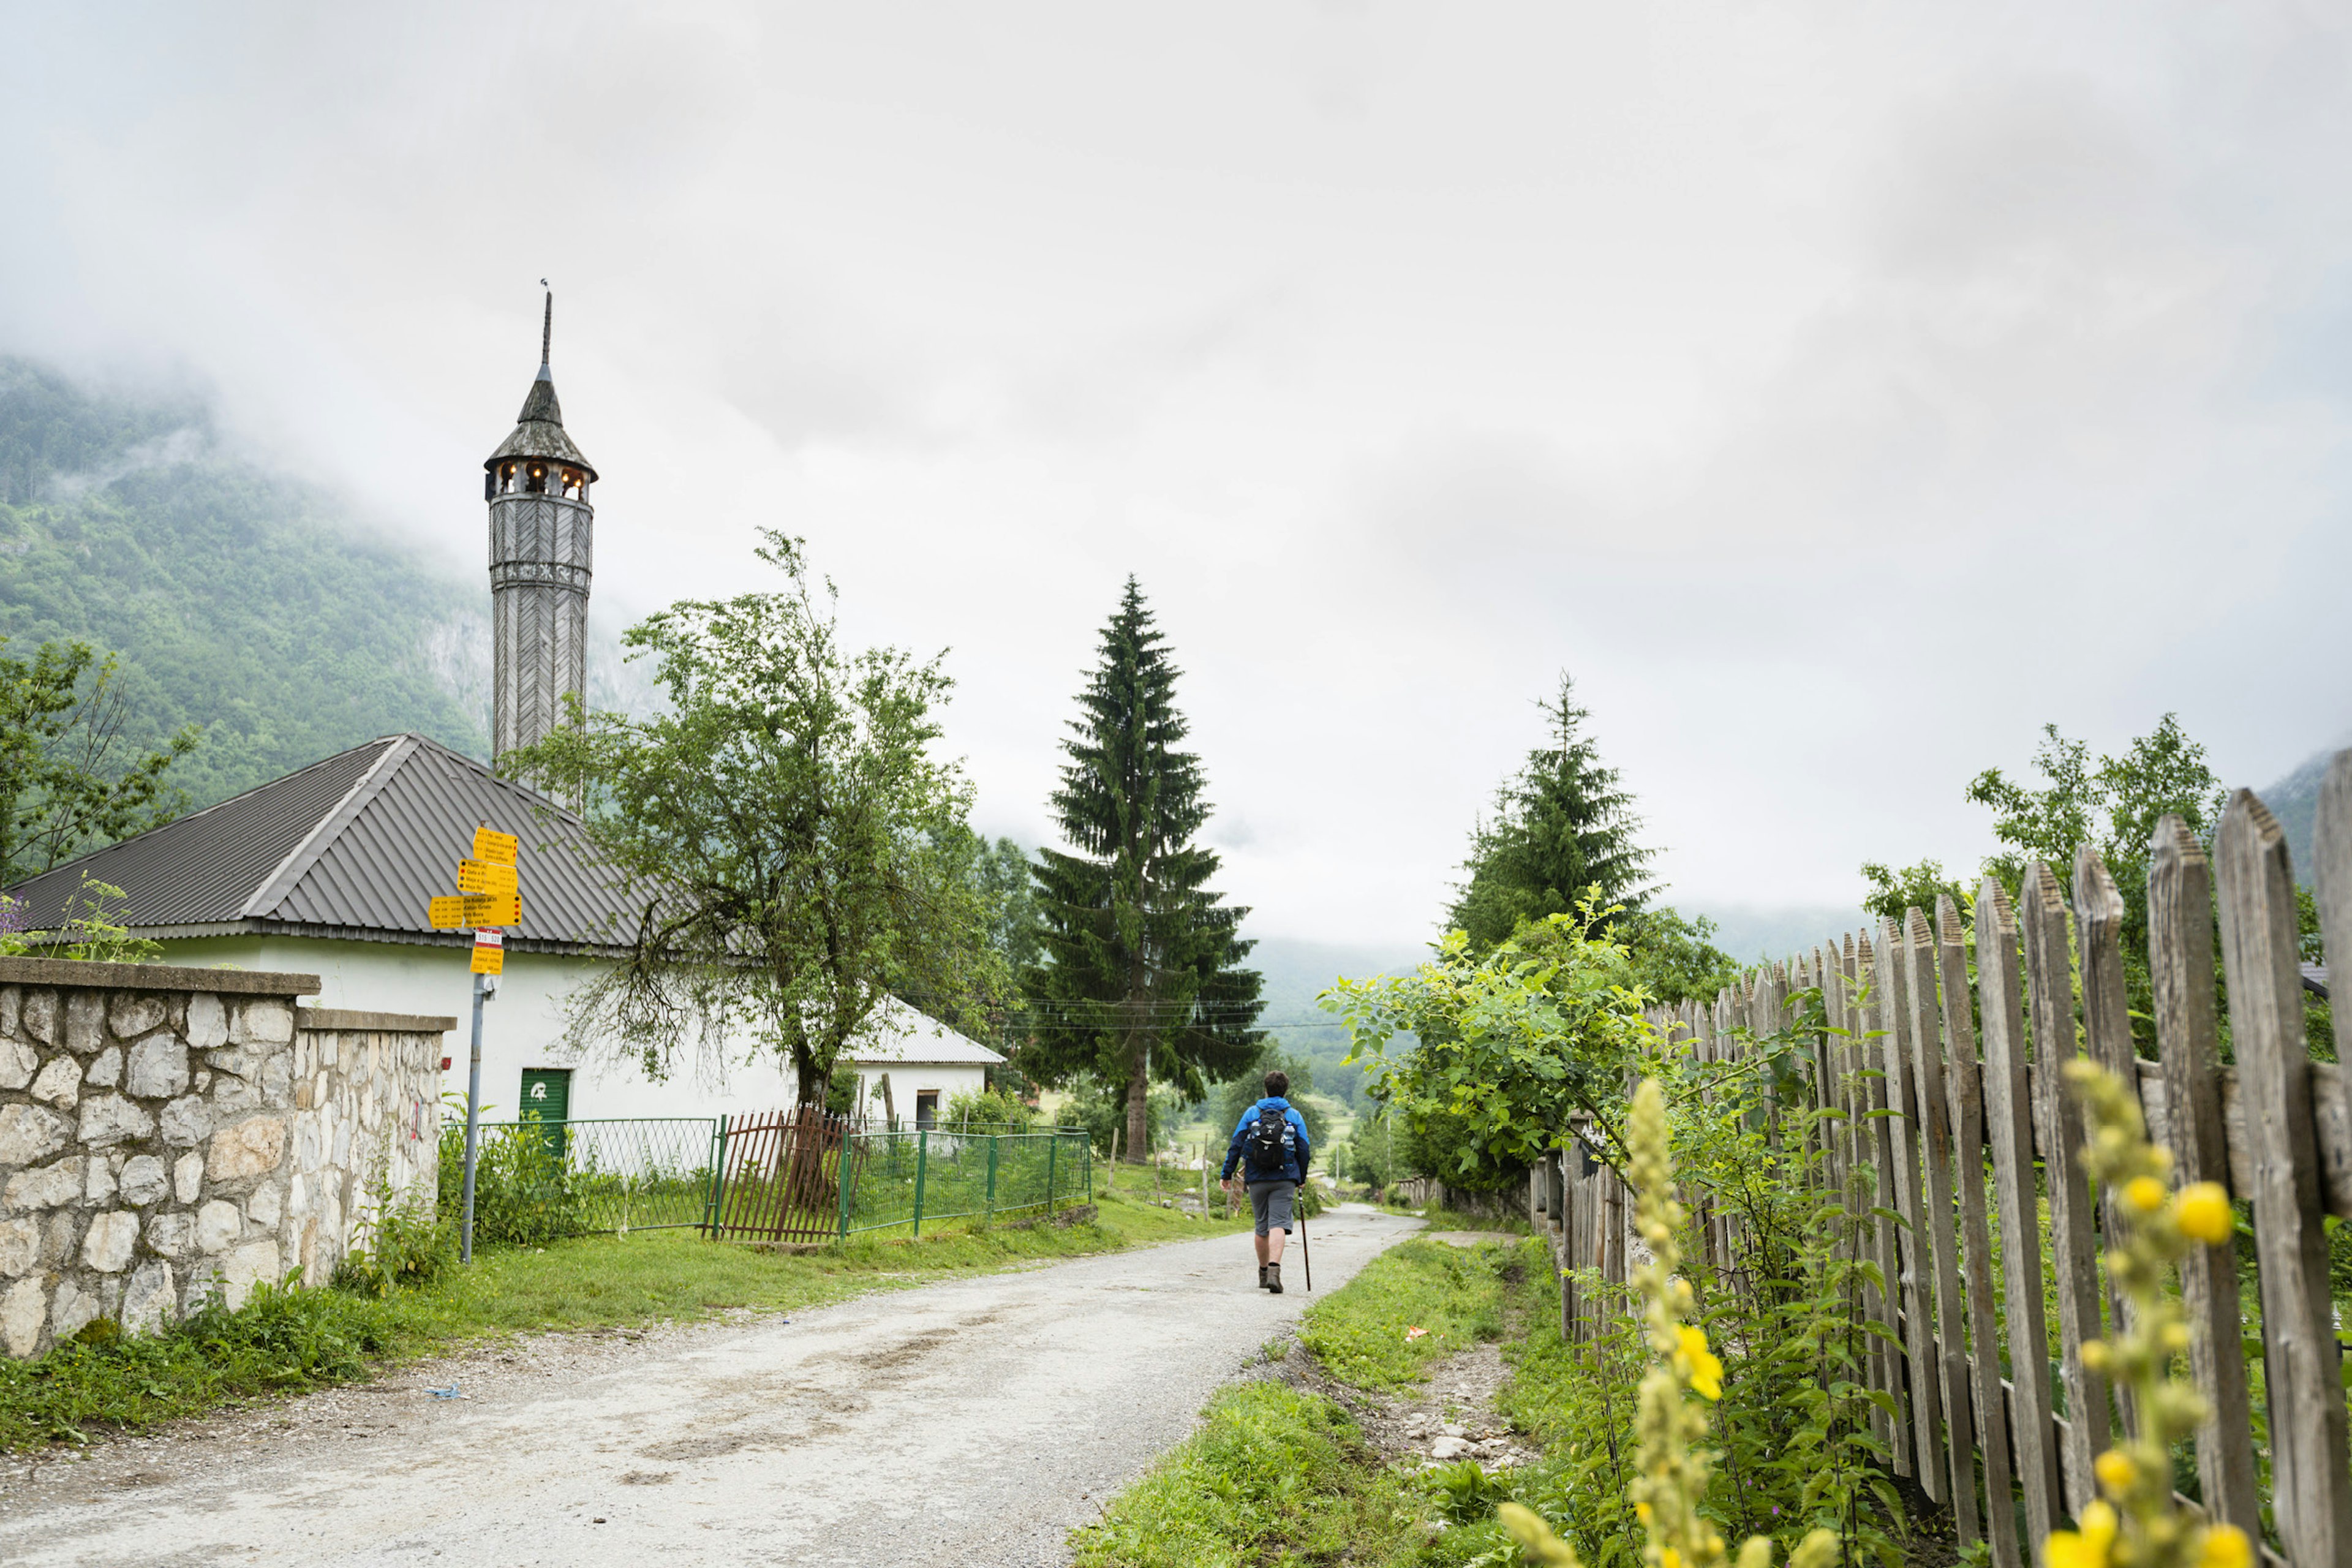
1270, 1143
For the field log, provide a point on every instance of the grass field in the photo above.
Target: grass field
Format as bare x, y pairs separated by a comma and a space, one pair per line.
284, 1342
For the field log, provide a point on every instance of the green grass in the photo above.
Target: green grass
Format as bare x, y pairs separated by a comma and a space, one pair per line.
286, 1342
1275, 1476
1362, 1334
1281, 1478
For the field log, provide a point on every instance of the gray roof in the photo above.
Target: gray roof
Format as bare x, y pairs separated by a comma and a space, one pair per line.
898, 1035
539, 431
351, 847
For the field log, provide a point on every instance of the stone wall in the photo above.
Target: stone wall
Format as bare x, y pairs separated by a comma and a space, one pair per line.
167, 1133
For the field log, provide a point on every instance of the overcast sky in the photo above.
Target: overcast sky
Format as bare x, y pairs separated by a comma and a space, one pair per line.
1839, 391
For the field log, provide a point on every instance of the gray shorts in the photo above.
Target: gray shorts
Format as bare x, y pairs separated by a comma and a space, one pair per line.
1270, 1202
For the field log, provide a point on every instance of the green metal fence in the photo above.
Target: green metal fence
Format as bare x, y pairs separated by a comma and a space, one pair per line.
589, 1178
932, 1174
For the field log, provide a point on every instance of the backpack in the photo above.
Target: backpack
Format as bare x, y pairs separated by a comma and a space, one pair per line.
1270, 1147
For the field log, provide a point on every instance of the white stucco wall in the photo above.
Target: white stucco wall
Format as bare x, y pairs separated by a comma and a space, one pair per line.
521, 1026
908, 1079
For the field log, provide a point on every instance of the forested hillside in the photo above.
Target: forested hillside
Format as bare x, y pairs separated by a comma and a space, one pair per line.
242, 602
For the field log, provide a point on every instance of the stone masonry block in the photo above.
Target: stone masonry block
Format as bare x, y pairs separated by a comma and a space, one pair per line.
72, 1311
23, 1311
207, 1022
45, 1186
264, 1206
28, 1133
59, 1083
251, 1148
218, 1224
151, 1299
17, 1061
98, 1185
187, 1121
133, 1012
109, 1119
144, 1181
263, 1023
85, 1021
158, 1068
39, 1018
112, 1236
20, 1246
107, 1071
173, 1235
188, 1176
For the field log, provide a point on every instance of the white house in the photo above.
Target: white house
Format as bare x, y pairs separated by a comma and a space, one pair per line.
329, 871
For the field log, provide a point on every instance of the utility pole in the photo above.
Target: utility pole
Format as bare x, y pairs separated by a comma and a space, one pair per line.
485, 987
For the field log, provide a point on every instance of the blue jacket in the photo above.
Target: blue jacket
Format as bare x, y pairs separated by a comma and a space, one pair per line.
1297, 1131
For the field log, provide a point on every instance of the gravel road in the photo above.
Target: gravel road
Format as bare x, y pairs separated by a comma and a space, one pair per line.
970, 1423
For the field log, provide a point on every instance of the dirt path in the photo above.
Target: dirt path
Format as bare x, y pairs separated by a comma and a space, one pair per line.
973, 1423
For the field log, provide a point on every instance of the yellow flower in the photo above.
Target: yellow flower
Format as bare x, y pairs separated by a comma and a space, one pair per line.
1528, 1528
2094, 1354
2088, 1547
2145, 1194
1707, 1371
2204, 1214
1670, 1558
2224, 1546
1641, 1511
2115, 1471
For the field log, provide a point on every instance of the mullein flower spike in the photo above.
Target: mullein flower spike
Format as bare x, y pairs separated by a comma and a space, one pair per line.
2136, 1524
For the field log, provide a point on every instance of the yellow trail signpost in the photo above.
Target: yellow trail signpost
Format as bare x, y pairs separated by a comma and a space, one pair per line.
488, 900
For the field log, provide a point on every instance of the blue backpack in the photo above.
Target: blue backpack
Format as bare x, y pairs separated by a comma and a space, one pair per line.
1270, 1148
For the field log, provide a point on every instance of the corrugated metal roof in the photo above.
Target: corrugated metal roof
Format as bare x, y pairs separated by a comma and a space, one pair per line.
539, 429
355, 846
900, 1035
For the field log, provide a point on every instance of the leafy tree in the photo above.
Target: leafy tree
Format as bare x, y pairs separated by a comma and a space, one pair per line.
999, 874
783, 832
1673, 957
1246, 1090
1894, 893
1141, 975
70, 781
2113, 805
1510, 1043
1561, 826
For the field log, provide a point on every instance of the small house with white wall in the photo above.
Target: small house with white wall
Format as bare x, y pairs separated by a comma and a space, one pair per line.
912, 1074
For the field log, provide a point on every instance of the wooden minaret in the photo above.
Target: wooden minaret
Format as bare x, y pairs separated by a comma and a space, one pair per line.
541, 527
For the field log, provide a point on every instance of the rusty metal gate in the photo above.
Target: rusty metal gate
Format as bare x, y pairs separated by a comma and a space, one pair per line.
779, 1176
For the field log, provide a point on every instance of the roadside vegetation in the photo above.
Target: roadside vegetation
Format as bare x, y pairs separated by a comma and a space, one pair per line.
284, 1342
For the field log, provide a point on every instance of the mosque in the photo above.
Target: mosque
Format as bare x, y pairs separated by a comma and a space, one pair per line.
330, 870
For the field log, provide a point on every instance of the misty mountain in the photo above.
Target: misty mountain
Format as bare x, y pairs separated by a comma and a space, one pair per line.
251, 605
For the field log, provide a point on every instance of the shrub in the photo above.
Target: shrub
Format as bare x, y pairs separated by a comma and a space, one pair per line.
525, 1192
402, 1244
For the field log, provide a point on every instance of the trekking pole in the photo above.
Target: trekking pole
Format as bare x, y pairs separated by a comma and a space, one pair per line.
1305, 1254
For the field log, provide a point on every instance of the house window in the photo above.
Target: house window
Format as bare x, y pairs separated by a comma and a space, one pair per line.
927, 1108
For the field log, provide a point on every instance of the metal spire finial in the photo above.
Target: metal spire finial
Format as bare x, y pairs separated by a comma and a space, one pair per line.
547, 325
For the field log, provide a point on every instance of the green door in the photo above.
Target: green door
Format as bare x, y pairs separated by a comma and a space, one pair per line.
547, 1096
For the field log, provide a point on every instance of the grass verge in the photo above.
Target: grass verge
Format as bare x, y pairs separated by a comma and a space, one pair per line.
1280, 1477
1364, 1333
284, 1342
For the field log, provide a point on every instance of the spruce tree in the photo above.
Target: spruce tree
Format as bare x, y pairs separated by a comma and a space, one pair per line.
1562, 825
1141, 977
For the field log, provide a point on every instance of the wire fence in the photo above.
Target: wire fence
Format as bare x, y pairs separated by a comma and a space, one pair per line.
535, 1180
783, 1176
929, 1174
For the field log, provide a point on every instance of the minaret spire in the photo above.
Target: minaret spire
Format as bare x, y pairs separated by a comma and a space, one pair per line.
546, 328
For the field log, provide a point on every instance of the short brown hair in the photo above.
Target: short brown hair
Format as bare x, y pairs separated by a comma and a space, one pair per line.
1277, 1083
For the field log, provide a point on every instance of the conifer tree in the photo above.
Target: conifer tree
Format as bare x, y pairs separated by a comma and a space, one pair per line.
1562, 825
1142, 978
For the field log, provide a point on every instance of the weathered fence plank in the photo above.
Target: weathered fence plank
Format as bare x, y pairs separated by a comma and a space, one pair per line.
2073, 1242
1968, 1103
2106, 1029
1933, 1223
2180, 964
1904, 1136
2009, 1119
2311, 1491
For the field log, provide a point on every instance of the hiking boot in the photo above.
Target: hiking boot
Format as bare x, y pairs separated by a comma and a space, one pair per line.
1273, 1278
1261, 1276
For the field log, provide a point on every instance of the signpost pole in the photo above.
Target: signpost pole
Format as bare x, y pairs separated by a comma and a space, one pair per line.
473, 1117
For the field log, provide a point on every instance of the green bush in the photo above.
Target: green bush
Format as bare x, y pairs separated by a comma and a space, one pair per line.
991, 1110
525, 1191
402, 1244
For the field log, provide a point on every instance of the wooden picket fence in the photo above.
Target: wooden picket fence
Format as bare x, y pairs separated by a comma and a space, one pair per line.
2275, 1128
